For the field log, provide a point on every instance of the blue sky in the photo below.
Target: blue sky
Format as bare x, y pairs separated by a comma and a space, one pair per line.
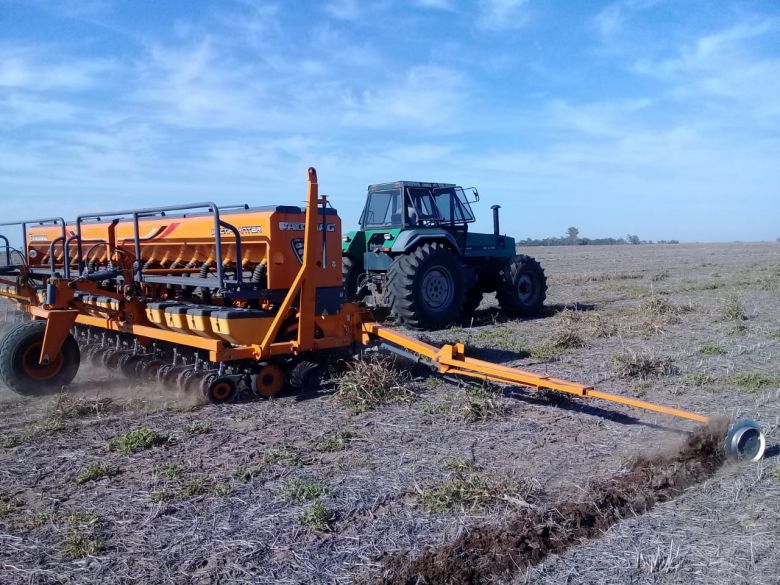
660, 118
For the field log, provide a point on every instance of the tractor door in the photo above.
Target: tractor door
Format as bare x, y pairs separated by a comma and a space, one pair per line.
421, 208
455, 212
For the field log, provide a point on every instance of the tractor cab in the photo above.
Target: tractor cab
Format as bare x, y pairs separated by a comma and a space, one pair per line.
409, 204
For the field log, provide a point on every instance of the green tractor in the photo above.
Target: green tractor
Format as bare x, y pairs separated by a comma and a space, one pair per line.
415, 255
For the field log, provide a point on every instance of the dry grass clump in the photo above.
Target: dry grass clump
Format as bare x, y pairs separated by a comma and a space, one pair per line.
506, 338
711, 349
586, 277
69, 407
283, 454
659, 276
12, 441
82, 542
335, 441
318, 516
661, 561
299, 490
656, 311
566, 336
373, 381
751, 380
468, 490
698, 378
630, 364
95, 471
769, 281
732, 309
574, 326
138, 439
196, 427
482, 402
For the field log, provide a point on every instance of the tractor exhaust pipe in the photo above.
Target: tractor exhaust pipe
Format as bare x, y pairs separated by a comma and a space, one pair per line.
495, 209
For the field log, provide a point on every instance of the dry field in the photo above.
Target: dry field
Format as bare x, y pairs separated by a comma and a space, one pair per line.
114, 483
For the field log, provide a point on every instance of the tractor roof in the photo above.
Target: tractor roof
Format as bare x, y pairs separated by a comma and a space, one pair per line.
400, 184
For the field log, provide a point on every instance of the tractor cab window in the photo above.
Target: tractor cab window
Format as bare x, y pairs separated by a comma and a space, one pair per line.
453, 205
383, 208
424, 205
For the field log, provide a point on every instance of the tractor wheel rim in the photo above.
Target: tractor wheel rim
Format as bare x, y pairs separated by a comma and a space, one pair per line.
526, 288
36, 371
438, 288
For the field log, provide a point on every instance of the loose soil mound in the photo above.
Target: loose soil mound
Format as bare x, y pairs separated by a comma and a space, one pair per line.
492, 551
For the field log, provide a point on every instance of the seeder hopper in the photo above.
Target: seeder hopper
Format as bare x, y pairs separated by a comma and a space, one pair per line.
230, 302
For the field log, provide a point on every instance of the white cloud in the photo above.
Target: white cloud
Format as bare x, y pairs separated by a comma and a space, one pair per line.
612, 18
599, 119
21, 108
343, 9
427, 97
197, 86
727, 66
501, 14
436, 4
38, 69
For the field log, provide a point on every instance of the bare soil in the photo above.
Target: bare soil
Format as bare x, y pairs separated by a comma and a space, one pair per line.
213, 503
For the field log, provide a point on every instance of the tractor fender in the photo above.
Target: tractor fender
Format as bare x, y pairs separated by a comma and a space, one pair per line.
409, 239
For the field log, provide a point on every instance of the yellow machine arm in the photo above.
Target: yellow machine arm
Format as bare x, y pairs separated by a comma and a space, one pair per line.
451, 359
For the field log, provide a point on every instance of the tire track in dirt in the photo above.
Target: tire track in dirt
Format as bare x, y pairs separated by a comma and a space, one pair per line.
489, 552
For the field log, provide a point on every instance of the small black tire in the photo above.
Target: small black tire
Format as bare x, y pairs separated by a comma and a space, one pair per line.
351, 270
219, 389
129, 365
150, 369
305, 375
111, 359
427, 287
94, 355
162, 373
183, 378
19, 368
168, 377
522, 287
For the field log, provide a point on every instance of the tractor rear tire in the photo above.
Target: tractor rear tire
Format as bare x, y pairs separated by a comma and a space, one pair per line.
522, 287
427, 289
350, 275
19, 368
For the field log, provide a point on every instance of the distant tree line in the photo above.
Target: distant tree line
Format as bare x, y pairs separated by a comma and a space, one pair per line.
572, 238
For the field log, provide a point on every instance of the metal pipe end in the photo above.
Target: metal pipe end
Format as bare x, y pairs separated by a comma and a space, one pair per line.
745, 441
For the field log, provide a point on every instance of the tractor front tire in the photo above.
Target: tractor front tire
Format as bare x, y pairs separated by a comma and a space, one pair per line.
19, 367
427, 289
522, 287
